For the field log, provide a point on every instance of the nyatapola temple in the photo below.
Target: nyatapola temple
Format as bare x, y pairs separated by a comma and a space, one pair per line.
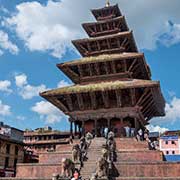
113, 86
113, 90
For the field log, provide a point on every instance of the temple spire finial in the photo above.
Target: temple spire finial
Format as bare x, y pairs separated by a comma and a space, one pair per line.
107, 3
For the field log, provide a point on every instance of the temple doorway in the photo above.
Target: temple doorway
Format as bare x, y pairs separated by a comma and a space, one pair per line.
101, 124
90, 126
115, 126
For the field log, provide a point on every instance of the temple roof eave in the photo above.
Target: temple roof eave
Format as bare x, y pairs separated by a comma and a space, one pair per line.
103, 21
101, 87
101, 58
95, 11
126, 33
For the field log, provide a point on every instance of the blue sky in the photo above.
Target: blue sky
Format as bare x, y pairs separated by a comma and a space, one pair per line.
35, 36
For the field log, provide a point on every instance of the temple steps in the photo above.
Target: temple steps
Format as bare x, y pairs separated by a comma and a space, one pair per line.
94, 152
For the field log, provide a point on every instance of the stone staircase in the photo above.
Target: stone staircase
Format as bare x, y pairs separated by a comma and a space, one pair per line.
94, 152
134, 162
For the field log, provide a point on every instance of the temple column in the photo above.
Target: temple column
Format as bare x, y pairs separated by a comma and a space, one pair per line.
83, 130
71, 128
95, 125
75, 128
121, 119
136, 125
109, 123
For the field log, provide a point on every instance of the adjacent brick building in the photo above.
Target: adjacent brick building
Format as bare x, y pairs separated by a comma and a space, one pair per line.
11, 149
45, 139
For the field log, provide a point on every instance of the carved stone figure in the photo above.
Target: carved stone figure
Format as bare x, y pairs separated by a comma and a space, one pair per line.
68, 167
76, 153
102, 168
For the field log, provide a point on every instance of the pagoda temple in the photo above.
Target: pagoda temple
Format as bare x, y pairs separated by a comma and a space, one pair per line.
113, 86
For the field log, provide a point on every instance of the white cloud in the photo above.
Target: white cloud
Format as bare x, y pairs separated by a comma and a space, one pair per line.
48, 112
5, 86
172, 34
159, 129
21, 80
5, 110
63, 83
173, 110
172, 117
57, 23
6, 44
48, 31
27, 91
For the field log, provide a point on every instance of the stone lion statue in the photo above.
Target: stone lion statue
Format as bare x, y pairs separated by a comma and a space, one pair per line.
68, 167
102, 168
76, 153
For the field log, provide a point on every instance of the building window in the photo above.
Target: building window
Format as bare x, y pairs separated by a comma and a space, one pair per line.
173, 152
16, 150
167, 152
8, 149
172, 142
166, 142
6, 162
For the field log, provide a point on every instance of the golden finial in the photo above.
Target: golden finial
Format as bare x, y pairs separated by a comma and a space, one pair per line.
107, 3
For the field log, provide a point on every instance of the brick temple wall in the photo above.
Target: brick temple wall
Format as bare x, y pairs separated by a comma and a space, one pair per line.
130, 144
148, 169
145, 155
53, 157
37, 170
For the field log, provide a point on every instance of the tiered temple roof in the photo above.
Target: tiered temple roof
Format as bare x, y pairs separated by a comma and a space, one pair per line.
112, 79
107, 67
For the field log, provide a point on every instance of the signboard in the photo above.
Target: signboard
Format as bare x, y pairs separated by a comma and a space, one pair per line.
169, 138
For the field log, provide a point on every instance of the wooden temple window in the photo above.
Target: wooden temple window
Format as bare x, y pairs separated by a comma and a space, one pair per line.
104, 26
126, 98
85, 70
99, 100
113, 43
75, 69
103, 44
109, 67
75, 102
111, 26
112, 98
63, 100
98, 29
102, 69
94, 69
86, 100
119, 66
94, 46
